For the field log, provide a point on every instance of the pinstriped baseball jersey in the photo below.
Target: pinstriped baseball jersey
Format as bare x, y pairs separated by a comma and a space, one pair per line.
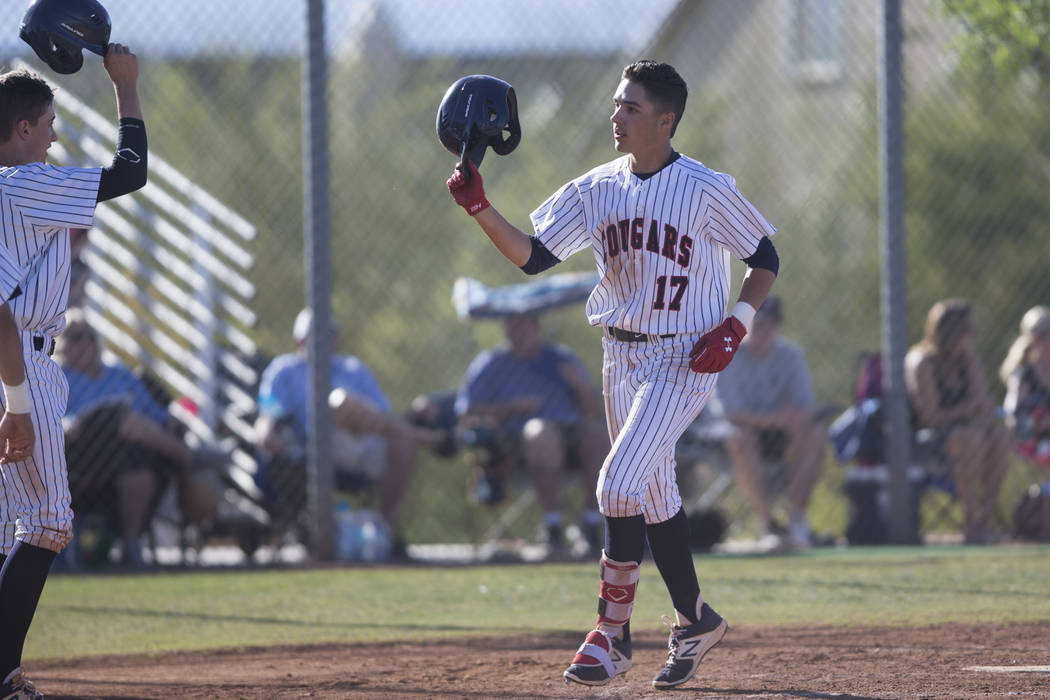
38, 205
10, 274
661, 244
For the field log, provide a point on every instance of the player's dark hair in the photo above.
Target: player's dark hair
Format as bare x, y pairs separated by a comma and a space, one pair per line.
23, 95
663, 85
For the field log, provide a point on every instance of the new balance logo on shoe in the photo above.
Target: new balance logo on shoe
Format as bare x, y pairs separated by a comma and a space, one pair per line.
689, 648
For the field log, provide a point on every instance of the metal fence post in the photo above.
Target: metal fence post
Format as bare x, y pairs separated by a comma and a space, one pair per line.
317, 223
903, 527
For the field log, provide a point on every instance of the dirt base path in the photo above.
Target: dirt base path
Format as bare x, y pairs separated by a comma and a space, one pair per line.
751, 662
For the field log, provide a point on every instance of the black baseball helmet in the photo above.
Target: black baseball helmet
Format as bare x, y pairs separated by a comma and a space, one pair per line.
59, 29
476, 112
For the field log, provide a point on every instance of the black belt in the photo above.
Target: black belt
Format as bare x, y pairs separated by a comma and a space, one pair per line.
632, 337
38, 344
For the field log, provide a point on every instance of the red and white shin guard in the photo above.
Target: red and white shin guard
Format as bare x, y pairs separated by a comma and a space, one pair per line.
616, 594
615, 601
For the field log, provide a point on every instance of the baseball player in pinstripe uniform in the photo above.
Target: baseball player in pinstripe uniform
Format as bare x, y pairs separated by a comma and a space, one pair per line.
661, 227
38, 205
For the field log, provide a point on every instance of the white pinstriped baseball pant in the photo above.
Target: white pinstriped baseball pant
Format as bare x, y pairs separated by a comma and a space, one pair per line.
651, 397
36, 505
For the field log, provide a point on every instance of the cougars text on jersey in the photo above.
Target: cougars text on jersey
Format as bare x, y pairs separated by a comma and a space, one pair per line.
630, 234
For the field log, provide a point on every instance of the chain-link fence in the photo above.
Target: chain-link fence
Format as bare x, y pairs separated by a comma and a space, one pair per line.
782, 95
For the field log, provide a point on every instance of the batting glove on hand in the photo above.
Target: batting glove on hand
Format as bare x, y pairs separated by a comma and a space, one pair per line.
715, 349
467, 189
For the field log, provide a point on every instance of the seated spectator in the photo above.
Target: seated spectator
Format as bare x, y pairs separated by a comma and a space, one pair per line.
1026, 373
535, 399
956, 415
372, 448
119, 439
767, 395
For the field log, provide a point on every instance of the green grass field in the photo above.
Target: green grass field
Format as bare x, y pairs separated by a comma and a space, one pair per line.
83, 615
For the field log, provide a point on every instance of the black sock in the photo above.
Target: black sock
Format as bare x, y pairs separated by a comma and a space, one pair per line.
625, 538
669, 543
21, 582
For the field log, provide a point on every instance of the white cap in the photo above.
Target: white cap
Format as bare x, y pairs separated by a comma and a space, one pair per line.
301, 329
303, 324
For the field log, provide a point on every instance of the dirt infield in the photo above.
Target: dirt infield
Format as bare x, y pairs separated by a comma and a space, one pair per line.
811, 662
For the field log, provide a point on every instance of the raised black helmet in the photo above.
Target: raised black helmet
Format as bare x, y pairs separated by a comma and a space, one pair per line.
59, 29
476, 112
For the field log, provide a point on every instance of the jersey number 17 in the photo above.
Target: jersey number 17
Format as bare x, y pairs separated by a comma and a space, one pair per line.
678, 285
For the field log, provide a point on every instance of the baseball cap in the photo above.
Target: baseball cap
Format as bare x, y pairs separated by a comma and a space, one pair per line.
303, 324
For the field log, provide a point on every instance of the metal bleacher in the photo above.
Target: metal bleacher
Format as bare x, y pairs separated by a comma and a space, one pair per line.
168, 290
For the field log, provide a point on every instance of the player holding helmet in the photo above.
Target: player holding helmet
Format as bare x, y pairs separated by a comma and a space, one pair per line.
661, 227
39, 203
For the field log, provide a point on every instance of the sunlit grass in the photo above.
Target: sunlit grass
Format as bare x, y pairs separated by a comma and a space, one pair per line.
83, 615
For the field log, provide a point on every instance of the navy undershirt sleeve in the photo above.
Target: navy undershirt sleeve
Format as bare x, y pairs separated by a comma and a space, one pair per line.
765, 257
127, 172
540, 260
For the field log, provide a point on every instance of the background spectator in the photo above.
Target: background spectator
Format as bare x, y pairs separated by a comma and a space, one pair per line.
371, 446
1026, 373
956, 414
119, 440
767, 395
544, 413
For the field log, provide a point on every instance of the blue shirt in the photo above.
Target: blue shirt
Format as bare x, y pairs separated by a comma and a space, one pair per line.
497, 376
283, 386
115, 383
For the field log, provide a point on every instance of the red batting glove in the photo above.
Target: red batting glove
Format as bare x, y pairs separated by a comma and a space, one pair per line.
467, 188
715, 349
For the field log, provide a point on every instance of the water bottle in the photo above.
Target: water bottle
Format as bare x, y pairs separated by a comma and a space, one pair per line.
374, 536
346, 545
369, 540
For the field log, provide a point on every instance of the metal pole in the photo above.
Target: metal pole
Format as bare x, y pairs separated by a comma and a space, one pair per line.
316, 241
894, 295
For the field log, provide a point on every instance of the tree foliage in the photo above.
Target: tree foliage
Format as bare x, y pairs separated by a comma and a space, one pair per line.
1011, 35
978, 168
